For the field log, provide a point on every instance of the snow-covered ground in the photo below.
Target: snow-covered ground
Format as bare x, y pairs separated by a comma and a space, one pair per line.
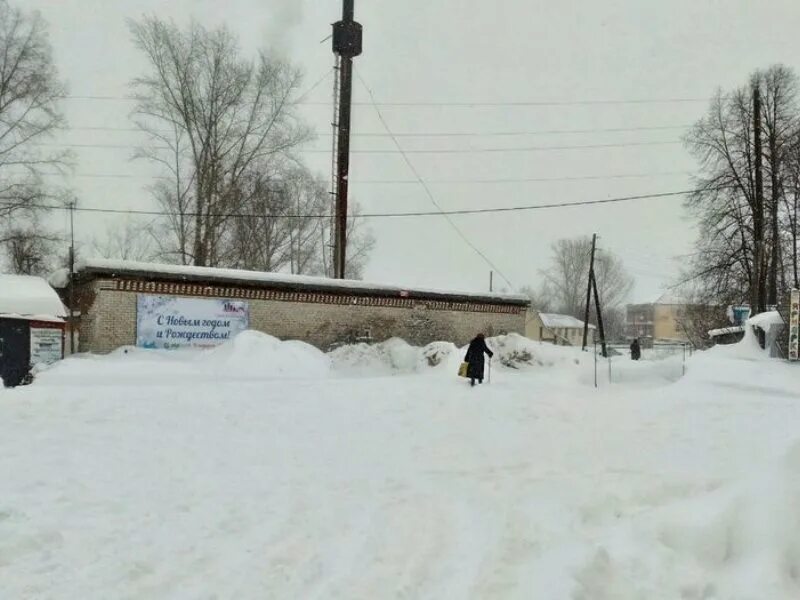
269, 470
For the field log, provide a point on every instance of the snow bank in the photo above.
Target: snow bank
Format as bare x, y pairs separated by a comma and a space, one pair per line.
396, 357
253, 354
257, 356
518, 352
738, 540
391, 357
250, 355
195, 474
749, 347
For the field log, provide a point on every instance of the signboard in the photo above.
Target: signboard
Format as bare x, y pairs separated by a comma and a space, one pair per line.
171, 322
794, 325
738, 314
46, 345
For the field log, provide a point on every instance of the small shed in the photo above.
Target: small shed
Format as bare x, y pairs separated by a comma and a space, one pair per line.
31, 326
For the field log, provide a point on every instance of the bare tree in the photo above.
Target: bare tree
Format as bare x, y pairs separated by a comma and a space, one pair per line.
565, 281
214, 118
728, 266
29, 249
541, 301
128, 240
360, 243
280, 222
791, 210
29, 95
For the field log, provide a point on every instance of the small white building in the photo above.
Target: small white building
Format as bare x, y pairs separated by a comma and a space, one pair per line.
31, 326
561, 330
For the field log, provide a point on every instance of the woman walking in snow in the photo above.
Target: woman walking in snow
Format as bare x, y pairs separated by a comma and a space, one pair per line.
474, 358
636, 350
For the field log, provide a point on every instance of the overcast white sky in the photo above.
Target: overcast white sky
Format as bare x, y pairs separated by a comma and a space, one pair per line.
456, 51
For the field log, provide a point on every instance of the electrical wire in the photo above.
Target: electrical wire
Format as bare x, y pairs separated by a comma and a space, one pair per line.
377, 215
403, 152
429, 181
459, 104
425, 187
438, 134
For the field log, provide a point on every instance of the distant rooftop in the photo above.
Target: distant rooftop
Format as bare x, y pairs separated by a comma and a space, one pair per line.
556, 321
671, 297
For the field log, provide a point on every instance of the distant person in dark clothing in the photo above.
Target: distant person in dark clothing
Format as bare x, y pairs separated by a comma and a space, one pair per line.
474, 358
636, 350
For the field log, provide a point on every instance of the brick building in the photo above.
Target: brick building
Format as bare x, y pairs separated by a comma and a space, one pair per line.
125, 303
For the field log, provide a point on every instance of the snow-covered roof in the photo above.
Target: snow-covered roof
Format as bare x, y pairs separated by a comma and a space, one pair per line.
671, 298
726, 331
556, 321
29, 297
766, 319
207, 274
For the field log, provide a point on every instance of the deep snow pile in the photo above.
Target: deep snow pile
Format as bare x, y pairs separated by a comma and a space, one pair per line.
198, 475
395, 356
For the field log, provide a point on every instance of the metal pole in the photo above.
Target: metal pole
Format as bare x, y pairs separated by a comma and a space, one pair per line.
595, 362
72, 277
491, 281
589, 295
684, 359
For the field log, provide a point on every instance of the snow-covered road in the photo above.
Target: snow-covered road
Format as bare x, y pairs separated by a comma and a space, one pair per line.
138, 477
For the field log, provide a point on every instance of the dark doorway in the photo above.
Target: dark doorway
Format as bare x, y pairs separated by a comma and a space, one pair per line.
15, 350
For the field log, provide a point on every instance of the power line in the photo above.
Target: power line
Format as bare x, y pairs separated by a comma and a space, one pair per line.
415, 182
437, 213
438, 134
420, 151
500, 150
315, 85
108, 176
300, 100
523, 133
458, 104
524, 179
425, 186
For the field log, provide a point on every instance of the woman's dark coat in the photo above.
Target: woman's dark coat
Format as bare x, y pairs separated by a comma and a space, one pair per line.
477, 348
636, 350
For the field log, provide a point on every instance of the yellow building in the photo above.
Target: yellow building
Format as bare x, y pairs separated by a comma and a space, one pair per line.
664, 320
561, 330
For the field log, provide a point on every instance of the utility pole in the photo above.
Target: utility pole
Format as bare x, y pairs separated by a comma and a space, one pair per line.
599, 316
71, 206
759, 304
347, 43
589, 294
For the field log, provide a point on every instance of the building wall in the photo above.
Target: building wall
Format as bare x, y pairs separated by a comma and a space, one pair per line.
534, 329
666, 322
640, 321
109, 316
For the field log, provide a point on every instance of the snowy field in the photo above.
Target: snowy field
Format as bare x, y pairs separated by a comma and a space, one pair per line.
268, 470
